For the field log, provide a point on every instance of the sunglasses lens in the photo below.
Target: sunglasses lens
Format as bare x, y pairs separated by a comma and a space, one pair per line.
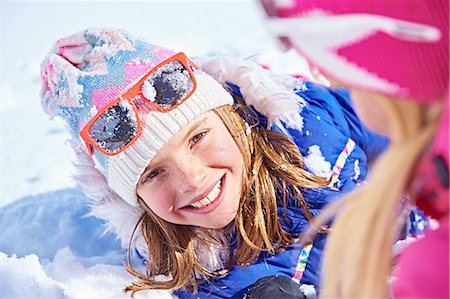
115, 128
168, 85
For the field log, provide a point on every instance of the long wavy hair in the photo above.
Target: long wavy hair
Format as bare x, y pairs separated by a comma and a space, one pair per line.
273, 165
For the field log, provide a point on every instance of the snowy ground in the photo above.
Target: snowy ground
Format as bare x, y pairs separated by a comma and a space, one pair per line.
47, 248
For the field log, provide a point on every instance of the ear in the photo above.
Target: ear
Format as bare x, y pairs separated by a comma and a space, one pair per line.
273, 95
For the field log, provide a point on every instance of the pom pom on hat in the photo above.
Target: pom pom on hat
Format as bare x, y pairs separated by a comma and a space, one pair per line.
395, 47
86, 71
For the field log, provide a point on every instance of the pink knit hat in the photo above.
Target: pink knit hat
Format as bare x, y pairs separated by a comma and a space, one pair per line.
357, 42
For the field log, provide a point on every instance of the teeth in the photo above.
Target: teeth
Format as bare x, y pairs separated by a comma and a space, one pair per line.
209, 198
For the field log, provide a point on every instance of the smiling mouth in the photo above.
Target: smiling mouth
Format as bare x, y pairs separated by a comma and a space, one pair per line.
209, 199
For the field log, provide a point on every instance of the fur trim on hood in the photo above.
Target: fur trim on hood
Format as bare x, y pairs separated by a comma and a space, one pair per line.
272, 95
120, 217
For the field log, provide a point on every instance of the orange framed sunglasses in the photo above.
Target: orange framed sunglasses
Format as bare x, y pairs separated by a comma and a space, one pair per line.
117, 125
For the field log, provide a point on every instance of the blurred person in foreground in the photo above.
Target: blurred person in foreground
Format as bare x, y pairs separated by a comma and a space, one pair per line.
393, 56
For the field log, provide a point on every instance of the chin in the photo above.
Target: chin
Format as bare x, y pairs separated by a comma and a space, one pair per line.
222, 221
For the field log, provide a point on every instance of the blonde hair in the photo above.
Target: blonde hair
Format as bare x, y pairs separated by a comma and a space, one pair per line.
272, 165
358, 255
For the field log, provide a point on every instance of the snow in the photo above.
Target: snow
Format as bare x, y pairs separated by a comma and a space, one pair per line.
66, 278
356, 169
316, 163
24, 277
45, 235
49, 248
172, 88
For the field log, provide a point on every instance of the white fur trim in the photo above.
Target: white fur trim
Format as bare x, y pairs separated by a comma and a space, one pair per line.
270, 94
120, 217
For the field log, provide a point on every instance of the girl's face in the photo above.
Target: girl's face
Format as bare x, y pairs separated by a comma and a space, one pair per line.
195, 179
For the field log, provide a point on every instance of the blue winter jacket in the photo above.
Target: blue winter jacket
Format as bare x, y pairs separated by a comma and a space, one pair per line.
334, 140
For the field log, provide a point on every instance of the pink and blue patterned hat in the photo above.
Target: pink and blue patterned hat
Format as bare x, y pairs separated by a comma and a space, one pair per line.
87, 71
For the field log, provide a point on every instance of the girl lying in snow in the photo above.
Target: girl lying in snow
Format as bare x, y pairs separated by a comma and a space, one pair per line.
207, 171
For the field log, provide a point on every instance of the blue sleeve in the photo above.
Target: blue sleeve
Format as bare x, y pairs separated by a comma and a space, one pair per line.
333, 140
335, 105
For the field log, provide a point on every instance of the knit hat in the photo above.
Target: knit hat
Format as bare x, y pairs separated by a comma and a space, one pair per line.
395, 47
87, 71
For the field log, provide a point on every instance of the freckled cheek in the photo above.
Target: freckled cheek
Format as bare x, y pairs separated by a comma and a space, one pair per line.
221, 156
225, 153
160, 202
231, 157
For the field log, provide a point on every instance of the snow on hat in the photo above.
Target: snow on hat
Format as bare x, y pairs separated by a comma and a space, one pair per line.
86, 71
395, 47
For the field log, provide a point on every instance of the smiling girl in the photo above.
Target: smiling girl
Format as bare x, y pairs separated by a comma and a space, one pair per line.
207, 173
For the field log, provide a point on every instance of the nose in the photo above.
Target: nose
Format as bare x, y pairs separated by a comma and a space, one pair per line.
190, 174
